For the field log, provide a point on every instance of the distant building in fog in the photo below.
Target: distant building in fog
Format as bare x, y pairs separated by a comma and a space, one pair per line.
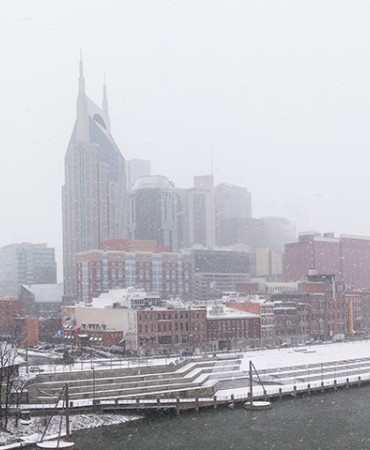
26, 263
182, 218
42, 300
233, 204
279, 231
269, 264
137, 168
201, 212
215, 272
95, 191
153, 213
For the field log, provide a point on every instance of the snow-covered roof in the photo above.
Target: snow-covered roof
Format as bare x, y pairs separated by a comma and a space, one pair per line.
152, 182
46, 293
228, 313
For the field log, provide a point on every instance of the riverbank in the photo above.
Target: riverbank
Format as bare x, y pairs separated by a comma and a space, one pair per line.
33, 431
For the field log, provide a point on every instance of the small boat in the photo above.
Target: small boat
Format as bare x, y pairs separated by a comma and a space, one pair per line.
251, 404
55, 443
58, 442
25, 418
257, 405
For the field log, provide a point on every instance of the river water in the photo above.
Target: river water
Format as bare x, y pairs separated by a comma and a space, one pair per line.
330, 421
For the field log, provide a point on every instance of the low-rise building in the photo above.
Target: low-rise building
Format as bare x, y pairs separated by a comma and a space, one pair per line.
291, 322
263, 308
146, 324
174, 327
230, 329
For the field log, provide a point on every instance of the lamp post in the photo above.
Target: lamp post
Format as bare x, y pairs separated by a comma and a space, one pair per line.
93, 376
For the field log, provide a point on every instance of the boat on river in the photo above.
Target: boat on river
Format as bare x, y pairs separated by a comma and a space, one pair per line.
58, 442
251, 404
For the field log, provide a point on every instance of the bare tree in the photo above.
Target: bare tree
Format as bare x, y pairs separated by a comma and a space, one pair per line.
9, 365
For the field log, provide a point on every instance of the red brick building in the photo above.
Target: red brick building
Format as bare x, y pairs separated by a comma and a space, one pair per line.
167, 330
133, 245
10, 308
230, 329
346, 257
312, 251
93, 338
358, 305
168, 274
328, 310
355, 261
27, 331
264, 309
292, 322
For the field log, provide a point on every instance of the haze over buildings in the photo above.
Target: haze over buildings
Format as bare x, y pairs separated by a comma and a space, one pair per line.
283, 107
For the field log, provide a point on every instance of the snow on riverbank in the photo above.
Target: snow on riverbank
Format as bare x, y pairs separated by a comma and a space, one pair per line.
33, 432
327, 352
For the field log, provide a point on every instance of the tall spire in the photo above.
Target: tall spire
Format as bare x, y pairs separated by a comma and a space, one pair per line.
105, 101
82, 119
81, 80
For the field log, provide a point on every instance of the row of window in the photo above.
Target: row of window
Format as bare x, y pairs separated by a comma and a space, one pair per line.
167, 316
163, 327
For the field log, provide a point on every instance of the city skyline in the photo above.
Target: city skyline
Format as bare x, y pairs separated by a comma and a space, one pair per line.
282, 109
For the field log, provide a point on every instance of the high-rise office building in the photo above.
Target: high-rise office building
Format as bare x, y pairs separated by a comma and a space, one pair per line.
137, 168
153, 211
26, 263
233, 205
94, 193
201, 212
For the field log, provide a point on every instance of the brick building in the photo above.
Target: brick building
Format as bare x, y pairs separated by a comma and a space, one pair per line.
358, 304
27, 331
346, 257
264, 309
10, 308
167, 274
311, 251
230, 329
355, 261
169, 330
292, 322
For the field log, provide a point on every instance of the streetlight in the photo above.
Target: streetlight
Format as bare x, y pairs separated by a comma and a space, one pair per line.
93, 375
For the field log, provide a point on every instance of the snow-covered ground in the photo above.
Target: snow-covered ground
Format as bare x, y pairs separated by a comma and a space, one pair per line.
298, 366
34, 431
97, 364
294, 356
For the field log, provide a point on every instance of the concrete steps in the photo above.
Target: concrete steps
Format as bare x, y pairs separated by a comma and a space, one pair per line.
164, 382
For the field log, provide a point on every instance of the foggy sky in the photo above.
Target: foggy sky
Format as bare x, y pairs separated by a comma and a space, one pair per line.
278, 91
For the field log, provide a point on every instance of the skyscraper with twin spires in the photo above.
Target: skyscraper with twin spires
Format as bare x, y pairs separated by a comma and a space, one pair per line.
94, 193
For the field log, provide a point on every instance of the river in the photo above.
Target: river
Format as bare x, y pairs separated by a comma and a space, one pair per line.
331, 421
